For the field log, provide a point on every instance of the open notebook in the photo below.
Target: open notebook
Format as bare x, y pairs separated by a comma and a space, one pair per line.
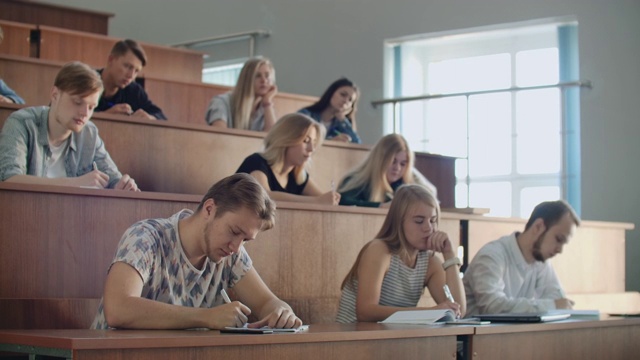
420, 317
523, 317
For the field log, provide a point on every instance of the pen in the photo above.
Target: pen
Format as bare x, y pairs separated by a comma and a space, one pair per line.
333, 185
225, 296
447, 293
95, 166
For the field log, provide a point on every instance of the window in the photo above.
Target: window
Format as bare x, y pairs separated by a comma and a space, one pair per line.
222, 75
500, 109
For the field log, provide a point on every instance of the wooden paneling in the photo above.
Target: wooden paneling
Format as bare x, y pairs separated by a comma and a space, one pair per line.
595, 245
441, 172
16, 38
303, 259
604, 339
163, 61
32, 79
37, 13
47, 313
183, 158
608, 303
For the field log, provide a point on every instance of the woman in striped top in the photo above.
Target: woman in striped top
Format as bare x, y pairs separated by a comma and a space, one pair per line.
391, 271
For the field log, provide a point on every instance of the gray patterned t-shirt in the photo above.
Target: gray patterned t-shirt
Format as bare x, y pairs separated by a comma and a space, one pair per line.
154, 249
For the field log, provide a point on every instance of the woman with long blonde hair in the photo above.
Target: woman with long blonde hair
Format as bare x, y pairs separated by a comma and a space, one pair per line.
388, 165
249, 106
282, 167
391, 271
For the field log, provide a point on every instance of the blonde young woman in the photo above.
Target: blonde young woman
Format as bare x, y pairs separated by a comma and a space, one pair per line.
249, 106
281, 167
391, 271
373, 182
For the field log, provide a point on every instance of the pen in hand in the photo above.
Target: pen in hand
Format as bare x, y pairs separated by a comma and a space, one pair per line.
448, 294
225, 297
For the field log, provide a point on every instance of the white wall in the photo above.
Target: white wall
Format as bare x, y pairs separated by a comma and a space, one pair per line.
317, 41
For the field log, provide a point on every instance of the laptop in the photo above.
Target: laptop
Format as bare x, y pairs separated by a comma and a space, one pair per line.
522, 317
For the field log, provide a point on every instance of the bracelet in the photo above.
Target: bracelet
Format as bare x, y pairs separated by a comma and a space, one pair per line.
453, 261
267, 104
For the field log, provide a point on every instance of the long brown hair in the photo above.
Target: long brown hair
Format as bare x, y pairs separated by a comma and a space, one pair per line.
392, 230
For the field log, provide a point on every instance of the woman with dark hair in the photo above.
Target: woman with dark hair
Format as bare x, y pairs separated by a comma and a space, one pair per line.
336, 110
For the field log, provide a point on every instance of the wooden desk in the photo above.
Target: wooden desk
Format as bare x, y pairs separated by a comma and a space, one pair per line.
16, 38
34, 12
610, 338
326, 341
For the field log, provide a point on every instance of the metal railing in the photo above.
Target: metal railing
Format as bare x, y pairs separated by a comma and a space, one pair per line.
395, 101
215, 40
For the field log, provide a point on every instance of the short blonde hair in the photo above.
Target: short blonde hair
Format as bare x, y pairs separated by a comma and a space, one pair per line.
243, 94
76, 78
290, 130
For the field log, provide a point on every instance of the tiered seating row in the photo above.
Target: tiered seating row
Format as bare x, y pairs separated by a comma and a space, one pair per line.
180, 101
57, 243
188, 159
63, 45
71, 236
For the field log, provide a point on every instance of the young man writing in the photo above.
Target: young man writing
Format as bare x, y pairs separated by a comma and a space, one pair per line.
170, 273
122, 95
512, 275
56, 144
